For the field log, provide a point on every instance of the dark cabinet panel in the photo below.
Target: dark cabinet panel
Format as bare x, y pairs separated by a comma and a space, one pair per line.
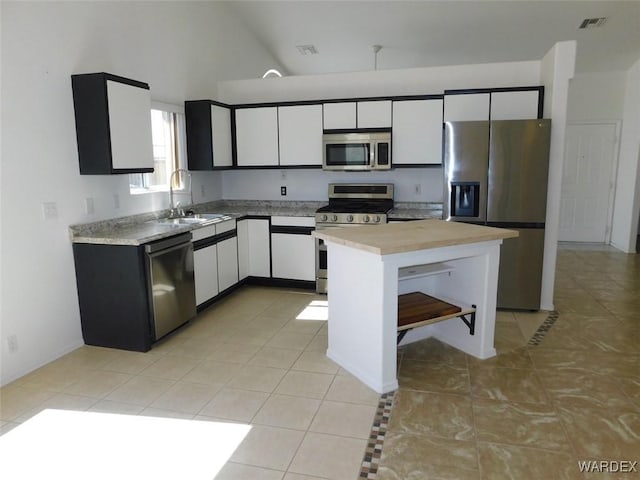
112, 291
208, 126
113, 124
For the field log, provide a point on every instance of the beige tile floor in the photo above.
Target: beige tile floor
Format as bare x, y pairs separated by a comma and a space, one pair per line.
531, 412
247, 359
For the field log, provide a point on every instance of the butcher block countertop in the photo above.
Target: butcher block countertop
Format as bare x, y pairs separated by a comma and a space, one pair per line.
411, 236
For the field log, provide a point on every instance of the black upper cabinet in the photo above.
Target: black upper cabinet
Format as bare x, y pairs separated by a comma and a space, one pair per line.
113, 124
208, 135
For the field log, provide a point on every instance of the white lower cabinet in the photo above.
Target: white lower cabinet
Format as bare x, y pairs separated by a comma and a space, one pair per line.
293, 256
253, 248
215, 259
227, 263
205, 272
293, 248
230, 251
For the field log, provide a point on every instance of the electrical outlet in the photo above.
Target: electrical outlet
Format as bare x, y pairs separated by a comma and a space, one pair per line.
12, 342
417, 189
50, 210
202, 190
116, 201
283, 191
88, 206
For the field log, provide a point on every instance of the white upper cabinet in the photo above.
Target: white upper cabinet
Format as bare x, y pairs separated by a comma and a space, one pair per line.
257, 136
374, 114
113, 124
339, 115
300, 135
130, 126
516, 105
366, 114
466, 107
221, 136
417, 132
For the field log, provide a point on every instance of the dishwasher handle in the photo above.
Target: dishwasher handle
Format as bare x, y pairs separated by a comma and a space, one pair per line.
167, 243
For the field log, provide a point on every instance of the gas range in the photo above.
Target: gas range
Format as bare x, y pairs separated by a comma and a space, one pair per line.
358, 203
350, 205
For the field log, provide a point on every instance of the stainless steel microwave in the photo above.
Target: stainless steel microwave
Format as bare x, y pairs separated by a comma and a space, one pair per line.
356, 150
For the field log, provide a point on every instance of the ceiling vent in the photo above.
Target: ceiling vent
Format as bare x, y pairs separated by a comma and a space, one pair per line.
593, 22
307, 49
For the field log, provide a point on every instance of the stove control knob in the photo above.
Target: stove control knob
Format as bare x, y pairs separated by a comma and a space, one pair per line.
376, 219
334, 218
323, 218
366, 219
349, 218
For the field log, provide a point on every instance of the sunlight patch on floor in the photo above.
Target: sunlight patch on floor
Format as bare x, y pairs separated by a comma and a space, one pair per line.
316, 310
78, 445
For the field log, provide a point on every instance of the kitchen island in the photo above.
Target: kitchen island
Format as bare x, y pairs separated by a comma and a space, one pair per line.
455, 264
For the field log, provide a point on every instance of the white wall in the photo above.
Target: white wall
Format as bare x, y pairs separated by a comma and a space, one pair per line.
558, 67
412, 81
596, 97
312, 184
627, 199
182, 49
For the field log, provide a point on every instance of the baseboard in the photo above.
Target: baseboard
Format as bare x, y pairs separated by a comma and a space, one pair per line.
12, 377
280, 282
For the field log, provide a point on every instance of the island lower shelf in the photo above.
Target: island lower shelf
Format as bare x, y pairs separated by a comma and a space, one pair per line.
417, 309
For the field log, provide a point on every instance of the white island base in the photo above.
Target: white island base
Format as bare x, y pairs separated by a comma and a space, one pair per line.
365, 281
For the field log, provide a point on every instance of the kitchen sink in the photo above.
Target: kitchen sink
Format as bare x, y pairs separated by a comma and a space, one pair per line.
196, 219
209, 216
180, 221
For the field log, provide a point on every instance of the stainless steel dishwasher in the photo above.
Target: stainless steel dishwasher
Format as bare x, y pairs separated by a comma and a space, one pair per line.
172, 286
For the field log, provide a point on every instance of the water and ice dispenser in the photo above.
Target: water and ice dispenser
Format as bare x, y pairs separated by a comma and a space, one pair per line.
465, 199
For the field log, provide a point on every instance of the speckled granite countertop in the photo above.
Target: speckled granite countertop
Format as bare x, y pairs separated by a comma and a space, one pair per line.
122, 231
142, 228
241, 208
415, 210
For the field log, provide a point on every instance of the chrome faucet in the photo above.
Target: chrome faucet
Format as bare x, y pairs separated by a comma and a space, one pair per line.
174, 209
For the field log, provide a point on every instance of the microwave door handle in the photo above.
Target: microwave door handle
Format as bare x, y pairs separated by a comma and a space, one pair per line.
373, 160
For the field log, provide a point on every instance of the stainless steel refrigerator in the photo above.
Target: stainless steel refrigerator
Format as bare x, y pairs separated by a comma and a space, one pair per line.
495, 174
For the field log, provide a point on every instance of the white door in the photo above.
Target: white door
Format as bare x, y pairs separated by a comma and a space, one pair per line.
587, 183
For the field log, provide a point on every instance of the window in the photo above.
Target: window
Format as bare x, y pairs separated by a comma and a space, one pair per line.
168, 136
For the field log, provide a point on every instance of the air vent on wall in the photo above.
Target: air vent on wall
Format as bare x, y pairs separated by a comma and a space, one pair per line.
307, 49
593, 22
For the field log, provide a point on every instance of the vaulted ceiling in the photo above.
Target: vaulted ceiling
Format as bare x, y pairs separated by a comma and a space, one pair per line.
435, 33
